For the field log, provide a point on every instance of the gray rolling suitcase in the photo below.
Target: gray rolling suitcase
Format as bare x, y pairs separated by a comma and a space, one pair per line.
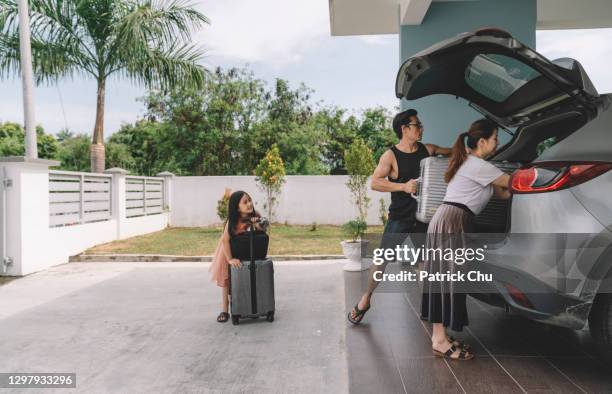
431, 189
252, 288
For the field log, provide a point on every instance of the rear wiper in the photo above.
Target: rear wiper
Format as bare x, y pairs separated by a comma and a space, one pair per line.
488, 116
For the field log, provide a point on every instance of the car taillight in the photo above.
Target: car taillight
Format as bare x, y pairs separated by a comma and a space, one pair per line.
518, 296
547, 177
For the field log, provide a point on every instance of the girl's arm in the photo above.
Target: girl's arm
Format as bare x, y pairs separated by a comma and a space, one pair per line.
227, 250
259, 222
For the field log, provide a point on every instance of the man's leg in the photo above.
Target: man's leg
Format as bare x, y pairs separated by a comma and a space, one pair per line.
391, 238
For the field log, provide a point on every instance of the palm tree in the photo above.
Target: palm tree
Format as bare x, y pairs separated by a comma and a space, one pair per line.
146, 41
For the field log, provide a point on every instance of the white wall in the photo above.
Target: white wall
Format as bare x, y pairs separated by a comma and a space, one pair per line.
63, 242
143, 225
30, 241
303, 200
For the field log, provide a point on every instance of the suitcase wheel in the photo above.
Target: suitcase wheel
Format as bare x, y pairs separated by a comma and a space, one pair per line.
235, 320
270, 317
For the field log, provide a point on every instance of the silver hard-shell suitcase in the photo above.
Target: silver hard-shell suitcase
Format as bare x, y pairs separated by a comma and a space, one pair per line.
252, 290
431, 190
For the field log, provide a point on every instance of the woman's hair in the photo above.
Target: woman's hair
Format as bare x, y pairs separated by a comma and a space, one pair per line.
482, 128
233, 211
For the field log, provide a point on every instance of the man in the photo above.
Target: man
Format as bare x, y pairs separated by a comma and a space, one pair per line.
397, 171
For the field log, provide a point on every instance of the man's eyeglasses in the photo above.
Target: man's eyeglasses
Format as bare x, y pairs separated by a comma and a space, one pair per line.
418, 125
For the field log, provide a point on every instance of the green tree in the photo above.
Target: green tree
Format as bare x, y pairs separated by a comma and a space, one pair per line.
73, 153
141, 141
359, 164
270, 176
375, 129
338, 134
289, 125
223, 118
143, 40
118, 155
12, 141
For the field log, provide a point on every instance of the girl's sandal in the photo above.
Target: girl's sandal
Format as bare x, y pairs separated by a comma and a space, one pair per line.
462, 356
358, 314
223, 317
458, 343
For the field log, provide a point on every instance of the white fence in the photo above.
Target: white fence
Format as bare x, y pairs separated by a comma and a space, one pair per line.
52, 215
144, 196
78, 198
303, 200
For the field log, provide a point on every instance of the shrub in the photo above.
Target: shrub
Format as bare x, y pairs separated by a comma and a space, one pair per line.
270, 174
359, 165
222, 205
355, 229
382, 212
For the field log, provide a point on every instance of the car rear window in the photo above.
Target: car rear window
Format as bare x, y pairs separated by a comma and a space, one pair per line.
497, 77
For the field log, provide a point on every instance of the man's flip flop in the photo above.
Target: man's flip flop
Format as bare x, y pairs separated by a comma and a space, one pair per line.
223, 317
358, 314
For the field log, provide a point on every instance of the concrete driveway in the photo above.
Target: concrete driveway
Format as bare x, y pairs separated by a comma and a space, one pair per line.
150, 327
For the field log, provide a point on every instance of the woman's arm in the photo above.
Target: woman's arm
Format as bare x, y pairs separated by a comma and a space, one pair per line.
501, 185
435, 150
501, 193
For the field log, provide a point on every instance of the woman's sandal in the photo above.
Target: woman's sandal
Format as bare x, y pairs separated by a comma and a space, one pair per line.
463, 355
223, 317
358, 314
458, 343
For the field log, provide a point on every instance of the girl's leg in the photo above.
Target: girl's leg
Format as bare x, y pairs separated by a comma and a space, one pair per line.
225, 299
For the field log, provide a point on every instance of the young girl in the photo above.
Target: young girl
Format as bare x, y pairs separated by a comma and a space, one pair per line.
240, 215
472, 181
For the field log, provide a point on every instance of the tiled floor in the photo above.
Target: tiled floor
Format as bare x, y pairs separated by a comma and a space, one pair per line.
390, 352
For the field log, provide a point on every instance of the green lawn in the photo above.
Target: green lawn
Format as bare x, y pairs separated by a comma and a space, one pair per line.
284, 240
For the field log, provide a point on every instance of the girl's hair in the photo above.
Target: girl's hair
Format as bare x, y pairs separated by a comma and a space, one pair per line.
482, 128
233, 211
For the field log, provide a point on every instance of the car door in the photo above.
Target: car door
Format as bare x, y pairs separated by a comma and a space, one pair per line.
498, 75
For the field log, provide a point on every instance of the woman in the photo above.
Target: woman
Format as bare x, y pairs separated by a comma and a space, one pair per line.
241, 215
471, 184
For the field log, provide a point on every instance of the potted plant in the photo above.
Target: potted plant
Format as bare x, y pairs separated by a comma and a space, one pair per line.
359, 166
351, 248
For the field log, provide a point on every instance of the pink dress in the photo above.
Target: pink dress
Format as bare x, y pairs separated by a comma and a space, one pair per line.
220, 265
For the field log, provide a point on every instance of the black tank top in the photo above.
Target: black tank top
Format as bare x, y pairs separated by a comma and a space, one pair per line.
403, 206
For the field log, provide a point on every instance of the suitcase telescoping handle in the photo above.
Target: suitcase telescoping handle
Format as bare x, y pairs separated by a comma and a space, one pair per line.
252, 270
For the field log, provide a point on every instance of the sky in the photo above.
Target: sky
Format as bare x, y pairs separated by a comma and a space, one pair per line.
287, 39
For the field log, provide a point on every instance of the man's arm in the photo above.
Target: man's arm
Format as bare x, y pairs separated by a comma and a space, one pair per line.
435, 150
382, 171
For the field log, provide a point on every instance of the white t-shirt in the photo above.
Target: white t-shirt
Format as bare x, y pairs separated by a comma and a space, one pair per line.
471, 185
